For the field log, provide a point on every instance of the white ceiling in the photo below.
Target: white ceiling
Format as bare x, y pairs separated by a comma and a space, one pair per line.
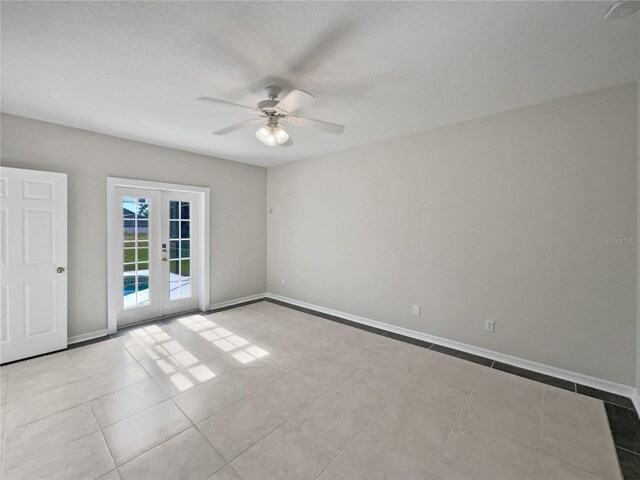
383, 69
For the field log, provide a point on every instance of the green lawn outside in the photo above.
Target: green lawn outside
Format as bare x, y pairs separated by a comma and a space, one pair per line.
130, 255
143, 256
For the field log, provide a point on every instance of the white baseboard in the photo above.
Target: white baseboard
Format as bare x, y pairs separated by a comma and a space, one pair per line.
575, 377
87, 336
236, 301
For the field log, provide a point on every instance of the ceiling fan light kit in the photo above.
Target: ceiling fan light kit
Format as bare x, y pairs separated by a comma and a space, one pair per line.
274, 110
272, 135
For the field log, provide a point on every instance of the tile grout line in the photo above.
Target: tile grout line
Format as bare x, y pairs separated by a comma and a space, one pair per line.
72, 382
117, 467
615, 446
88, 402
612, 403
40, 373
139, 411
168, 398
104, 439
627, 450
535, 466
335, 459
315, 401
67, 353
579, 467
136, 361
248, 448
147, 451
171, 398
442, 447
195, 425
145, 409
247, 395
75, 440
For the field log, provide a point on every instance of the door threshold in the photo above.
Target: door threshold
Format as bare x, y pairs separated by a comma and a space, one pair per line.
161, 319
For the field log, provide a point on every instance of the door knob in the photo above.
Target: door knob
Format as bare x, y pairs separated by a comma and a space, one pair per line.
164, 259
60, 269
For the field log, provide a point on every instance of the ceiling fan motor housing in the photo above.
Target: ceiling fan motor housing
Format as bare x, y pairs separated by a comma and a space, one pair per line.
273, 91
267, 106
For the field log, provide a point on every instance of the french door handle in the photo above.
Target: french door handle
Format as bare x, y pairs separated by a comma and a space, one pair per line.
60, 269
164, 259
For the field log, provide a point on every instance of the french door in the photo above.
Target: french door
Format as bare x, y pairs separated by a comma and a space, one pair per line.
158, 240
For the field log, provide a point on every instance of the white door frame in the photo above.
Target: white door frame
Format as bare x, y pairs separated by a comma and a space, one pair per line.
114, 249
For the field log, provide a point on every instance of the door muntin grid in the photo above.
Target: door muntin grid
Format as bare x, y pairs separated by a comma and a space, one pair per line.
179, 249
135, 260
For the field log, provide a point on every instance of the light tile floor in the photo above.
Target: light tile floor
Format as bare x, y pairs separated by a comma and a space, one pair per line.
267, 392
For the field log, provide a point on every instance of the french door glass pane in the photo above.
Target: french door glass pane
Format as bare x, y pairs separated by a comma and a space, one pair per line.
174, 210
185, 275
185, 248
185, 210
184, 229
135, 256
174, 280
142, 229
173, 249
174, 229
143, 254
129, 255
143, 208
180, 252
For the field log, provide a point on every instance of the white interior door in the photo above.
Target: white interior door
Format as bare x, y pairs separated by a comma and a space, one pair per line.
158, 260
33, 260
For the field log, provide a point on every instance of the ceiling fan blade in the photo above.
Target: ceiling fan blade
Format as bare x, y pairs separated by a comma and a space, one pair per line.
319, 124
238, 126
294, 100
224, 102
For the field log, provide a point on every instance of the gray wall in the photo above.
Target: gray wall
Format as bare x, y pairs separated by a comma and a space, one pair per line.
500, 218
238, 195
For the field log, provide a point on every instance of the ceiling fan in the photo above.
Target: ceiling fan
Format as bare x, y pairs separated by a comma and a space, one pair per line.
275, 111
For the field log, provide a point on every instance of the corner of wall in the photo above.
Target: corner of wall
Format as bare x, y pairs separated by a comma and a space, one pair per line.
636, 398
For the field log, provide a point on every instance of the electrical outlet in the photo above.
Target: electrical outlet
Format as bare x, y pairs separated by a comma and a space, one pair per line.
416, 310
489, 325
284, 283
